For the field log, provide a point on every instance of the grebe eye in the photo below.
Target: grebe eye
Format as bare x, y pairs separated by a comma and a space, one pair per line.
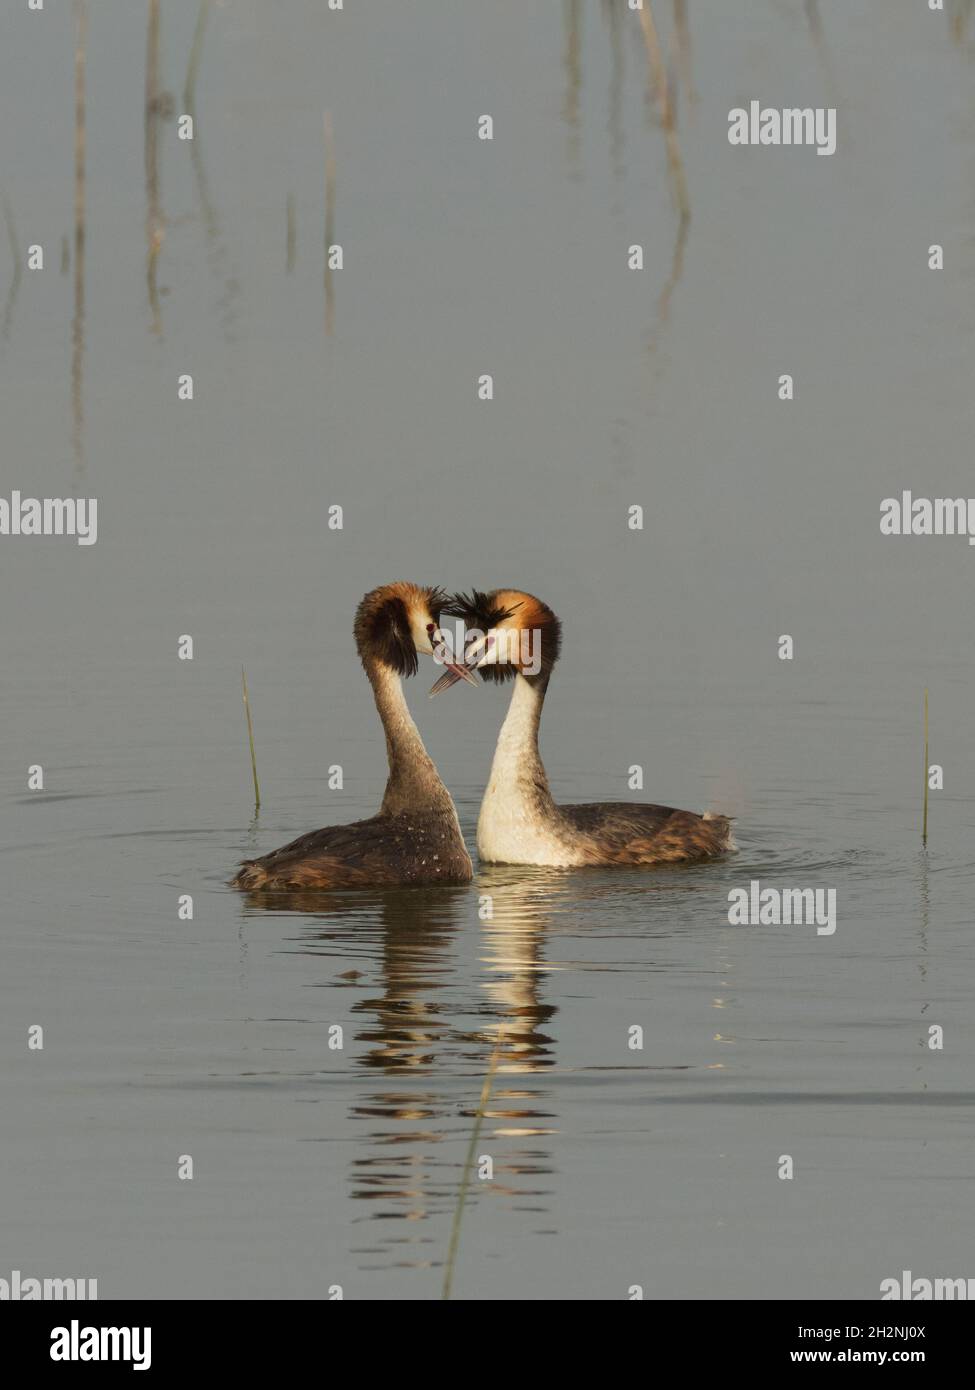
431, 627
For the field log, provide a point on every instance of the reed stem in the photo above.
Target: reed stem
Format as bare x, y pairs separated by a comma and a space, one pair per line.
329, 219
291, 234
250, 735
924, 827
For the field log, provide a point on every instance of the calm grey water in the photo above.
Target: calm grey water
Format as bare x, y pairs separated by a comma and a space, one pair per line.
316, 1167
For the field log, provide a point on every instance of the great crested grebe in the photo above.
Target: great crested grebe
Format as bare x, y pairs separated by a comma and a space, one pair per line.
415, 838
518, 635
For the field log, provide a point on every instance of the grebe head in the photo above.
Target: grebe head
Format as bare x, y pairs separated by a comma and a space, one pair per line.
397, 622
510, 633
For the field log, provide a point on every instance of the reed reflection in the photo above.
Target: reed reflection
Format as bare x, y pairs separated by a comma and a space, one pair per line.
217, 254
662, 94
572, 62
157, 105
78, 321
612, 16
960, 14
682, 36
18, 269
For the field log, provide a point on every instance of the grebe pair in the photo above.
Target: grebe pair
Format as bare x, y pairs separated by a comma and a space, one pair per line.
416, 838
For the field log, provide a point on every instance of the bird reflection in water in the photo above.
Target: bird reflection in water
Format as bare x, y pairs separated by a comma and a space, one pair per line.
430, 1030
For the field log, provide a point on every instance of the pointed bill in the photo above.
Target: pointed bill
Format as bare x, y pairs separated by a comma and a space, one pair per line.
476, 655
450, 677
454, 670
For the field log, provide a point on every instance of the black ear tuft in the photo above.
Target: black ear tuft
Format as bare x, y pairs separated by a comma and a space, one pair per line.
482, 611
436, 601
552, 645
461, 606
477, 609
394, 641
498, 674
382, 629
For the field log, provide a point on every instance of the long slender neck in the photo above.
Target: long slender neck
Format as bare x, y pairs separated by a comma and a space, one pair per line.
413, 779
517, 769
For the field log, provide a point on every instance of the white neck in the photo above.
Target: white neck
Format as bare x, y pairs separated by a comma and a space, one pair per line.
517, 751
517, 814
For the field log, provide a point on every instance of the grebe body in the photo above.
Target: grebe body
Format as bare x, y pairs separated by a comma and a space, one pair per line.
517, 635
415, 838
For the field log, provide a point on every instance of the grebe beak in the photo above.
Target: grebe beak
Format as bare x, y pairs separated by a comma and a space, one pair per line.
475, 657
454, 670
